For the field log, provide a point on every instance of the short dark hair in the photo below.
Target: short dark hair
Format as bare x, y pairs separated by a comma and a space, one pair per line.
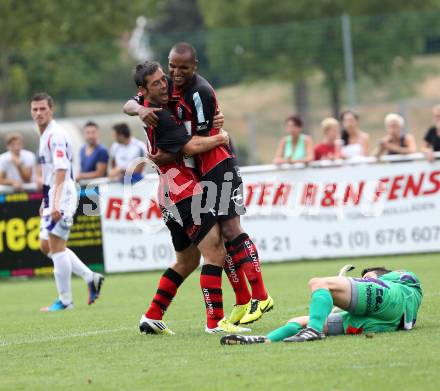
353, 113
91, 123
144, 70
379, 270
137, 75
122, 130
39, 96
184, 47
296, 119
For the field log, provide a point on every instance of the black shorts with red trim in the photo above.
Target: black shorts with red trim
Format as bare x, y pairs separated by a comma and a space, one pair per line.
223, 190
186, 226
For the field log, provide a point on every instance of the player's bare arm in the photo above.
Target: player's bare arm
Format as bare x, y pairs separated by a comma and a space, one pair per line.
197, 145
148, 116
131, 107
39, 176
218, 120
60, 176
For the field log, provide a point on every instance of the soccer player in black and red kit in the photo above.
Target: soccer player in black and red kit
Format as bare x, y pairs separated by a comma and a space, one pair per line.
194, 102
179, 194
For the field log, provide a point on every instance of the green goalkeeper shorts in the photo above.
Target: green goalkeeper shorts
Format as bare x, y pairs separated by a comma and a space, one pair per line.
376, 306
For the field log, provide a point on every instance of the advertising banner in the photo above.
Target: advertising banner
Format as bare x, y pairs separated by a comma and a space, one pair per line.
314, 212
19, 235
344, 211
134, 235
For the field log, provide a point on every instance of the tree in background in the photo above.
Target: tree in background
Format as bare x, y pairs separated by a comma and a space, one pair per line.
240, 49
77, 49
250, 39
71, 49
175, 21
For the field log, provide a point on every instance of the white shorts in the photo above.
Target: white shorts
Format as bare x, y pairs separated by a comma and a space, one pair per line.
61, 228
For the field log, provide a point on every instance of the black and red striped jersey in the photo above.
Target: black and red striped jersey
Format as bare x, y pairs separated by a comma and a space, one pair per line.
177, 180
196, 107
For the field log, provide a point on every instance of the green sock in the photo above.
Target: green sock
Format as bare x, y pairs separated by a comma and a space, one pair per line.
283, 332
320, 307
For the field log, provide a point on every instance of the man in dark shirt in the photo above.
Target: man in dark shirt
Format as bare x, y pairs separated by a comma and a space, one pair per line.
93, 156
179, 195
194, 102
432, 136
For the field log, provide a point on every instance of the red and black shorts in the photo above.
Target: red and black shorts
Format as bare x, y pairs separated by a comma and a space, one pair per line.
223, 190
186, 227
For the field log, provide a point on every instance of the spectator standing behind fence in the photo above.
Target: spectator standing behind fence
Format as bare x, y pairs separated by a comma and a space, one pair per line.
330, 147
296, 147
126, 153
17, 165
354, 141
432, 136
93, 156
397, 140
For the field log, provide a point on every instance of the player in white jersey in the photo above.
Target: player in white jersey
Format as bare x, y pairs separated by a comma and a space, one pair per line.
59, 205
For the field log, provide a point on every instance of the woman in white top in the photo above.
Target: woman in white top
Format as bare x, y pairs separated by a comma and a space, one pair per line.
355, 141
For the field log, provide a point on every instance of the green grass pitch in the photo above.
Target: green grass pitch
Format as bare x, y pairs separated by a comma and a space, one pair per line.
100, 348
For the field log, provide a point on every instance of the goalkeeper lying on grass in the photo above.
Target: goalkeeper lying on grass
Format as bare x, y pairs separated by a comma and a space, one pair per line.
382, 300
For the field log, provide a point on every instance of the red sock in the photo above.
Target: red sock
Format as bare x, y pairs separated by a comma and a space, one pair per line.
211, 284
168, 284
236, 278
245, 254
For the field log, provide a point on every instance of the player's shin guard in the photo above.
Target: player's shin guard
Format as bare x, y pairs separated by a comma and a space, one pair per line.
168, 285
321, 305
211, 284
62, 270
285, 331
244, 252
236, 278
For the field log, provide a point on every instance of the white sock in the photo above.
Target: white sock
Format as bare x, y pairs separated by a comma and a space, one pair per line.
78, 267
63, 274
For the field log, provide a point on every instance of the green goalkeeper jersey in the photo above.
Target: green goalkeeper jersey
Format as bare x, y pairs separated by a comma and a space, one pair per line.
410, 285
387, 303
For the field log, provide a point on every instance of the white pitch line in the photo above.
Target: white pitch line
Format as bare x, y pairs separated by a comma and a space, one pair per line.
4, 343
